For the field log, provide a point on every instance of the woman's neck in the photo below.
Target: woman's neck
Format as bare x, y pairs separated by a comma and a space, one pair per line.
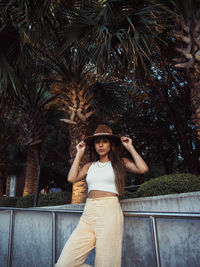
104, 158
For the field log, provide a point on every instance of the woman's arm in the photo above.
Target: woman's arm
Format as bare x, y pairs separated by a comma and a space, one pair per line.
75, 174
139, 166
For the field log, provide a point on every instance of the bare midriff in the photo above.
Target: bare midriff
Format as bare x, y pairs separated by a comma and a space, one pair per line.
98, 193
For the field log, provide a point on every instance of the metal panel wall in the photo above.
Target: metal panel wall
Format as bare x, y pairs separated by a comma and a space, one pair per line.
137, 243
179, 242
35, 237
4, 237
31, 239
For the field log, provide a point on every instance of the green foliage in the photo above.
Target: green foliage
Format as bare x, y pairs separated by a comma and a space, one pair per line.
127, 194
169, 184
25, 202
52, 199
8, 201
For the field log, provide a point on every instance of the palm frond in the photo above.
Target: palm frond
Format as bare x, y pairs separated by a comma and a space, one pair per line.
118, 32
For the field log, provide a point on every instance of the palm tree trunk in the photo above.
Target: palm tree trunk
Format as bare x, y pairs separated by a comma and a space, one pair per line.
1, 185
195, 98
31, 172
189, 60
79, 189
77, 104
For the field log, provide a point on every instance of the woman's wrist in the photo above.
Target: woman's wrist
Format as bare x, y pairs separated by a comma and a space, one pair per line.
79, 154
130, 148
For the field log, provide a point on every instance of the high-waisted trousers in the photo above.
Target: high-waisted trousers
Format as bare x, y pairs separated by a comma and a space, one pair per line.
100, 227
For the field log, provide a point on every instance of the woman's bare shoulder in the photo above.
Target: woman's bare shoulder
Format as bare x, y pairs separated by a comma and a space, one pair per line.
87, 165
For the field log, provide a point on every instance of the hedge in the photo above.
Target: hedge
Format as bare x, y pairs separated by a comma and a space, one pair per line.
163, 185
52, 199
169, 184
8, 201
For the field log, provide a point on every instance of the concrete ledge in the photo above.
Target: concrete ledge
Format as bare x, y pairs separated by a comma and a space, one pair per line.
185, 202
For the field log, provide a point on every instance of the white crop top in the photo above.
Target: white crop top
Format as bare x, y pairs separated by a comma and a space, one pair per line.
100, 176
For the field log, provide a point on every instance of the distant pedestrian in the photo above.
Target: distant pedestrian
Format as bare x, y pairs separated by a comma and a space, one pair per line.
55, 188
46, 190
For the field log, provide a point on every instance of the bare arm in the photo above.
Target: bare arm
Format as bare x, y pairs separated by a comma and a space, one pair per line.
76, 174
138, 165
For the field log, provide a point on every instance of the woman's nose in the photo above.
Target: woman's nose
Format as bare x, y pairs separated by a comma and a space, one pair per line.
100, 143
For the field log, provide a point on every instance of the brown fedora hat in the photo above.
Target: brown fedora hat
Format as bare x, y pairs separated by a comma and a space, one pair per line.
102, 130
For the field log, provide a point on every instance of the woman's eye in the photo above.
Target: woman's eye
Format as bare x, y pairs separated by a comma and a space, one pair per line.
105, 141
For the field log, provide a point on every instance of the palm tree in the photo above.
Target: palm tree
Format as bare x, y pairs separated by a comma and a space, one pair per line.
116, 36
31, 100
28, 98
72, 87
20, 77
187, 34
8, 138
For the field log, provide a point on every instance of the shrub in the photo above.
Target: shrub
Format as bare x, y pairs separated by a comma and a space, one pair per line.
25, 202
52, 199
8, 201
169, 184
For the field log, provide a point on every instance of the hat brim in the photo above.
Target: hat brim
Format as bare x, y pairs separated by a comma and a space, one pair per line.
92, 137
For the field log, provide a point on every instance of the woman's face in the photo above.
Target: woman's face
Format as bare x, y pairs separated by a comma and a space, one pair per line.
102, 146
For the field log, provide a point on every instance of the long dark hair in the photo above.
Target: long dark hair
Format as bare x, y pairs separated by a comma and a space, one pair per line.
115, 156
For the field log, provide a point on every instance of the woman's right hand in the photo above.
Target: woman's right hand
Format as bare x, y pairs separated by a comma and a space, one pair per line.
75, 173
81, 148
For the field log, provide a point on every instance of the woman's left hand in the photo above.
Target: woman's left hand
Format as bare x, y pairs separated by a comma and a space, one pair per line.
126, 142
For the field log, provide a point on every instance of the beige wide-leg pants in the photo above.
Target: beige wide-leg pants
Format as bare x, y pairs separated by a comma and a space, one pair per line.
100, 227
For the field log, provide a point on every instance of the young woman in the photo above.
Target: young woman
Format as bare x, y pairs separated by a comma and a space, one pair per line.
101, 224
